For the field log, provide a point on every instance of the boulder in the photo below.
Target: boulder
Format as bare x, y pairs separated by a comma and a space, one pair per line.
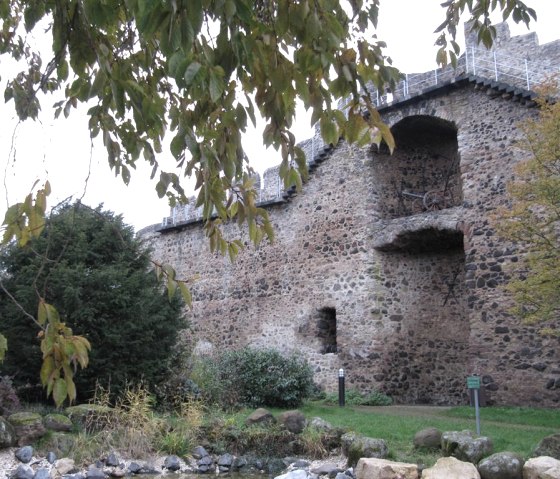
326, 469
293, 421
141, 468
199, 452
549, 446
297, 474
61, 443
274, 466
91, 417
7, 434
42, 473
205, 464
24, 454
371, 468
543, 467
428, 438
451, 468
77, 475
225, 462
28, 427
239, 463
502, 465
23, 471
112, 460
346, 441
355, 446
172, 463
465, 447
320, 424
64, 466
57, 422
260, 416
95, 473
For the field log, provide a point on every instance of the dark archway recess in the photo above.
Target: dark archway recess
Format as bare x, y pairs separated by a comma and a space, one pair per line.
423, 173
326, 330
425, 240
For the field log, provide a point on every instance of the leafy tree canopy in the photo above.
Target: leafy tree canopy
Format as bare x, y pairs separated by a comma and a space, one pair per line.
533, 218
200, 69
89, 264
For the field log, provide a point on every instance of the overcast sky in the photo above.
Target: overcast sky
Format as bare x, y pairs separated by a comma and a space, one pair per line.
60, 149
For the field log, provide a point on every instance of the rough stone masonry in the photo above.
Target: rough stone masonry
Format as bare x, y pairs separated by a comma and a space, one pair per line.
389, 266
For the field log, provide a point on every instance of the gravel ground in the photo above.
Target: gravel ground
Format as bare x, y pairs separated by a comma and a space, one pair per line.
8, 462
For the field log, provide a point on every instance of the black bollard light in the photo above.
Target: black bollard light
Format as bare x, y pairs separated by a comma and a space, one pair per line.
341, 392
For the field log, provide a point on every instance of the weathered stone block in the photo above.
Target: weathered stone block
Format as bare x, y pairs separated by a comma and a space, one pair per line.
371, 468
502, 465
543, 467
549, 446
428, 438
28, 426
464, 446
451, 468
293, 421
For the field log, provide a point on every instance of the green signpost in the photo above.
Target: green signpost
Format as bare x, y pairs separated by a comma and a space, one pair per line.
473, 382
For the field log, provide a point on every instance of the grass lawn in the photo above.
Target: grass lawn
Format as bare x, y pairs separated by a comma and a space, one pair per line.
511, 429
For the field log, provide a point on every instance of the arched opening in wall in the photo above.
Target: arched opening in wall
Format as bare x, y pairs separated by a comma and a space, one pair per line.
326, 330
426, 349
423, 174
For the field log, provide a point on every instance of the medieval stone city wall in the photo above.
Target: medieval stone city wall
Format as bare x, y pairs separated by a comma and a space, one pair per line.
364, 275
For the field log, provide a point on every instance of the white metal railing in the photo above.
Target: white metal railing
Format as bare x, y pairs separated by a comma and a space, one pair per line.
491, 64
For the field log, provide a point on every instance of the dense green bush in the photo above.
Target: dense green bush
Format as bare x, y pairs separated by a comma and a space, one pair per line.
89, 264
352, 397
254, 378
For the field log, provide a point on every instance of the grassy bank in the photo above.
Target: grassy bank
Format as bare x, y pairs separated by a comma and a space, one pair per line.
511, 429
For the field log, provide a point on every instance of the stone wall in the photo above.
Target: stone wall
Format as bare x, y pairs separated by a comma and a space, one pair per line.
406, 295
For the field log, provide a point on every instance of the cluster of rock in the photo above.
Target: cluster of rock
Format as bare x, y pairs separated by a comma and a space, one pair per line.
466, 456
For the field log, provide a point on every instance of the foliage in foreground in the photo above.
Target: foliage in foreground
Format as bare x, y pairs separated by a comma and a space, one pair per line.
253, 378
533, 218
89, 264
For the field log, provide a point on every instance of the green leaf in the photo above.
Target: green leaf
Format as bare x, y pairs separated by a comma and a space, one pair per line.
191, 72
3, 347
42, 313
216, 86
60, 391
329, 130
47, 369
70, 388
171, 287
186, 294
230, 9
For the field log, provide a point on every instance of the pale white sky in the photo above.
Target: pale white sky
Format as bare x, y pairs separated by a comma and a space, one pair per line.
60, 149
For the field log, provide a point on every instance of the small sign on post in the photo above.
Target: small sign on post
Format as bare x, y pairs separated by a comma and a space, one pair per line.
473, 382
341, 391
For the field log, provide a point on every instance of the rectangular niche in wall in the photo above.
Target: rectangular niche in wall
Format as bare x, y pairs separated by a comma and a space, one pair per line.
326, 330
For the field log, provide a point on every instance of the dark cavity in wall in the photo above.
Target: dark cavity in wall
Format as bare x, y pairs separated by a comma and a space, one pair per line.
326, 330
423, 172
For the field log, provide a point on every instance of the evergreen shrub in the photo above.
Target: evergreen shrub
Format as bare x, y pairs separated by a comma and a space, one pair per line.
257, 377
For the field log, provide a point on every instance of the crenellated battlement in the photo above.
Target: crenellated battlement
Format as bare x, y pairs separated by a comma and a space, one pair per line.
519, 63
